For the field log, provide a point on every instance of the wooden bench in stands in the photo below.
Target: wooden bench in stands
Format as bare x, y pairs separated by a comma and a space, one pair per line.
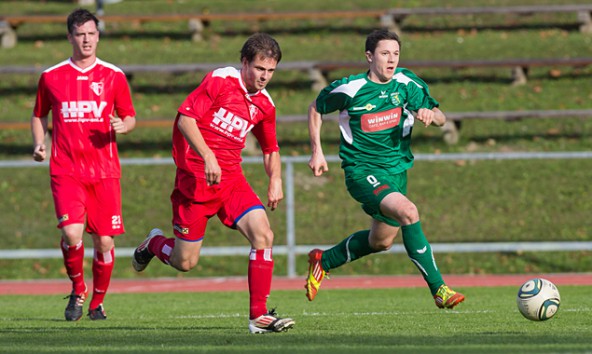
197, 22
519, 67
451, 130
393, 19
318, 71
388, 18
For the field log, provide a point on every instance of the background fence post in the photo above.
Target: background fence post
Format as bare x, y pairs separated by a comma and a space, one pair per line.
290, 220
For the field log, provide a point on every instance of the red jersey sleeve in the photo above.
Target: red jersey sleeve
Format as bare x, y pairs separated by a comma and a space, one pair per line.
201, 99
265, 132
42, 102
123, 97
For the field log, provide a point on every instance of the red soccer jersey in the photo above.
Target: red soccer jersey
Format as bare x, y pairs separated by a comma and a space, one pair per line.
225, 112
81, 100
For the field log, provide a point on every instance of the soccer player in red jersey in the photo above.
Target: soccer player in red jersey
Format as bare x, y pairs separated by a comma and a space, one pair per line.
90, 103
208, 136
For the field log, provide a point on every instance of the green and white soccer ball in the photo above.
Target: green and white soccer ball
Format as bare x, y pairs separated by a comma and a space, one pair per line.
538, 299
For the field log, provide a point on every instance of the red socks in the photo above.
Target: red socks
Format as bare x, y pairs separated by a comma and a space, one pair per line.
102, 268
260, 274
162, 247
73, 260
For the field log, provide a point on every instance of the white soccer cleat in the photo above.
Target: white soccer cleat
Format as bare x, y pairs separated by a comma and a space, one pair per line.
269, 323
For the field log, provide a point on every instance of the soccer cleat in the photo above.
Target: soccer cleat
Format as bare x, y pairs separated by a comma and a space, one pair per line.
74, 309
447, 298
97, 314
142, 255
270, 323
316, 274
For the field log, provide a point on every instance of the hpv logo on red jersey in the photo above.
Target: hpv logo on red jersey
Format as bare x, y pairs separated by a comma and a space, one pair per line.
97, 88
373, 122
230, 124
80, 109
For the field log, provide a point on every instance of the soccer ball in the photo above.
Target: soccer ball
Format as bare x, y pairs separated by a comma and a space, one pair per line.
538, 299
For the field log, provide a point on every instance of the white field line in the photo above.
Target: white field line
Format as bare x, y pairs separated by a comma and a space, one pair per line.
381, 313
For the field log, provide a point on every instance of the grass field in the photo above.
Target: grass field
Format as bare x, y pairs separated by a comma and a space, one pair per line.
338, 321
459, 201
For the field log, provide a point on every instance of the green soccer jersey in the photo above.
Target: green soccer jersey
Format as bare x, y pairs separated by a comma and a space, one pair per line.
376, 120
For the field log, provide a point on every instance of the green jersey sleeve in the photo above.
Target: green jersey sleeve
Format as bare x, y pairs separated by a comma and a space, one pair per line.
339, 94
417, 90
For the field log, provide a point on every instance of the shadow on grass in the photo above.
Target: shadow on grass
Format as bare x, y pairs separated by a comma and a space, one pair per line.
157, 147
501, 139
204, 337
305, 84
299, 29
542, 262
16, 149
144, 148
508, 27
160, 88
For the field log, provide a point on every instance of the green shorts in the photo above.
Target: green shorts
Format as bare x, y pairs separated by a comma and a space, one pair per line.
370, 188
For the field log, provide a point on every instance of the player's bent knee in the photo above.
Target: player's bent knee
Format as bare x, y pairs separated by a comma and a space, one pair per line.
183, 265
72, 235
263, 240
381, 245
409, 214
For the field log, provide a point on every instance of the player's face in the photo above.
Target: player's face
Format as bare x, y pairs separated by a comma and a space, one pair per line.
84, 40
383, 61
257, 73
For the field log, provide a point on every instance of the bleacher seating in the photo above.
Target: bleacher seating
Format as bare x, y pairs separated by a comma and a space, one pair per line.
388, 18
319, 71
450, 131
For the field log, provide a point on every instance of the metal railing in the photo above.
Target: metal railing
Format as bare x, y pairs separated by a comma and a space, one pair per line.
291, 249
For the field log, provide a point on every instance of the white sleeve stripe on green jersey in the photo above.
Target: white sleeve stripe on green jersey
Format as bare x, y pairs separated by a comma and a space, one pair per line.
346, 132
404, 79
351, 88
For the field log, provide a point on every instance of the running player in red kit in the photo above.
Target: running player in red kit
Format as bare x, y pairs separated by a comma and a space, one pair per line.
90, 103
208, 136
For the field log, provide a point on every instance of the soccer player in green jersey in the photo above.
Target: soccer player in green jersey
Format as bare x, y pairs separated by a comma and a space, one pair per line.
377, 110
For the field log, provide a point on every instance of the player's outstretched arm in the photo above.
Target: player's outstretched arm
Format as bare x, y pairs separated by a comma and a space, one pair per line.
273, 168
431, 116
38, 131
317, 162
439, 117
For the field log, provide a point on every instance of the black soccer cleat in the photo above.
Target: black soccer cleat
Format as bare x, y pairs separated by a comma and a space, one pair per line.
142, 255
74, 309
97, 314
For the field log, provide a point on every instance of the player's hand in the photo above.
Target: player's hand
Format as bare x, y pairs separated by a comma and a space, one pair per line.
318, 164
275, 193
212, 170
426, 116
117, 125
39, 152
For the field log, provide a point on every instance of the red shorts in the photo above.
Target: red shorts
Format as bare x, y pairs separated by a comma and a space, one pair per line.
99, 201
194, 203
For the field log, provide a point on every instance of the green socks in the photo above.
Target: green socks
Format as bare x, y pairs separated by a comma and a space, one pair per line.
354, 247
420, 252
417, 246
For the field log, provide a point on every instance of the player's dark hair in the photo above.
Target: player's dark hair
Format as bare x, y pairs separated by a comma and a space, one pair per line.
380, 35
261, 44
79, 17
